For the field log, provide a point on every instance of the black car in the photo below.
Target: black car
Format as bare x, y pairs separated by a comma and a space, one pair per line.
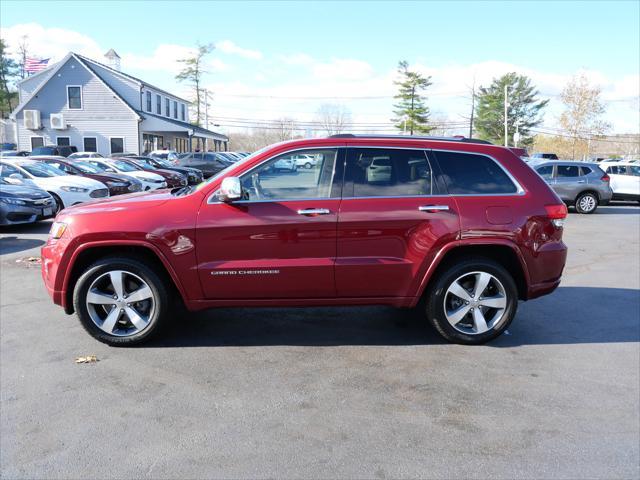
54, 150
194, 175
209, 163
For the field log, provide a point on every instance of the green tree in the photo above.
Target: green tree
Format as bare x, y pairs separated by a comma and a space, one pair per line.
523, 110
411, 112
8, 71
193, 73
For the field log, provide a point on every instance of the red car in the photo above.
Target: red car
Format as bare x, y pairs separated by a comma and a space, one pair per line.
460, 229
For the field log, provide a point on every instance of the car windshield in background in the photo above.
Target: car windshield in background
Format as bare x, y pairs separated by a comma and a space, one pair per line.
86, 167
162, 162
124, 166
42, 170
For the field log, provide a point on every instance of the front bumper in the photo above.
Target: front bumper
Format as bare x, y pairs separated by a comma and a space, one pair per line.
18, 214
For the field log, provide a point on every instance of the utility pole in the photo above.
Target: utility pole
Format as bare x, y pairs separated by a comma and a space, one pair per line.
473, 107
506, 128
206, 116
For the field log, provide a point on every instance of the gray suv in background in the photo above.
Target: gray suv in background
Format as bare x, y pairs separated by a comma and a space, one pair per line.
583, 185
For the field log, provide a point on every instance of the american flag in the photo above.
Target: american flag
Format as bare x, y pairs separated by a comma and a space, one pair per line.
33, 65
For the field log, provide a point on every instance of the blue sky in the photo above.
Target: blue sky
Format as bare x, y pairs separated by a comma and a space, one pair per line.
347, 49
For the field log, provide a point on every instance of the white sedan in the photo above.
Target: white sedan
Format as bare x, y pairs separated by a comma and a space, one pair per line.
149, 180
66, 189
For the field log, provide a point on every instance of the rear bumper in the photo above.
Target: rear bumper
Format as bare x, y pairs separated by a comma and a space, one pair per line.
546, 269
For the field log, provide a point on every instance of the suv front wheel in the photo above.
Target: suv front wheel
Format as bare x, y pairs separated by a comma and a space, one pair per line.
472, 302
121, 301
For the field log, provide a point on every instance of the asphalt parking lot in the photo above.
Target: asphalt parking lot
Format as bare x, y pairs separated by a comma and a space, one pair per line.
333, 392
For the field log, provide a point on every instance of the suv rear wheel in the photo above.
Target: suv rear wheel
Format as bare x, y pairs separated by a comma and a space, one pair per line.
472, 302
121, 301
586, 202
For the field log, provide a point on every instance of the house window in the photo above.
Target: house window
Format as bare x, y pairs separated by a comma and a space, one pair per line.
167, 107
158, 104
117, 144
37, 142
183, 112
175, 109
74, 97
148, 101
90, 144
63, 141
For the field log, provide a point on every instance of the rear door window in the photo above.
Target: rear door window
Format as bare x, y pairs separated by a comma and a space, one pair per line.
545, 172
472, 174
568, 171
379, 172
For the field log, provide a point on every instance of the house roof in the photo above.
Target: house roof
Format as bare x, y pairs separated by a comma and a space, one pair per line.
198, 131
130, 77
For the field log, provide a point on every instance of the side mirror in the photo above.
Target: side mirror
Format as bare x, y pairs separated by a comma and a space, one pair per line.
230, 190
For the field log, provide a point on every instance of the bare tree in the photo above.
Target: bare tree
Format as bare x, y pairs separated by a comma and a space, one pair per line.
193, 72
285, 128
333, 118
23, 52
582, 117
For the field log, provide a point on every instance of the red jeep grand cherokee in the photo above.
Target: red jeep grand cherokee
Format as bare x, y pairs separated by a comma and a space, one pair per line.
460, 228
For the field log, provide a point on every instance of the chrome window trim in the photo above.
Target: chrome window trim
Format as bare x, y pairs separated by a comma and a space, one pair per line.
211, 200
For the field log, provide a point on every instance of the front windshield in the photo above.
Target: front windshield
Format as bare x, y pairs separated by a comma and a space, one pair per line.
86, 167
124, 166
42, 170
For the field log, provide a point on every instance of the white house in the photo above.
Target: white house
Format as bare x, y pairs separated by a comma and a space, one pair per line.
96, 107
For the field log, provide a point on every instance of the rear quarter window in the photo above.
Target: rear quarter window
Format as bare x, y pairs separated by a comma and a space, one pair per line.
471, 174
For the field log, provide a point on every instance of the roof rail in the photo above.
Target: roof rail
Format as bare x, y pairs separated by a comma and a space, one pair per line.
457, 138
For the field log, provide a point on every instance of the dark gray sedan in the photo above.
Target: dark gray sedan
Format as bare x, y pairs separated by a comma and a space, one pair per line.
21, 204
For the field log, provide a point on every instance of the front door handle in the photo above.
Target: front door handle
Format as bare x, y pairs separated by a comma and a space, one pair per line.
582, 181
433, 208
314, 211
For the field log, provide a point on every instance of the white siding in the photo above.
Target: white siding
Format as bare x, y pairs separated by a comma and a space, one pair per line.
126, 88
103, 114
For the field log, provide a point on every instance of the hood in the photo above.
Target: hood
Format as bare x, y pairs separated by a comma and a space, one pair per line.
68, 180
20, 191
131, 201
107, 177
146, 175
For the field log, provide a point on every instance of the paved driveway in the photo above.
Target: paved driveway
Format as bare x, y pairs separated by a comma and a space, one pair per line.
333, 392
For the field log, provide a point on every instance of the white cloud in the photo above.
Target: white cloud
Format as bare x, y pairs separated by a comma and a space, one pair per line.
166, 58
228, 47
52, 43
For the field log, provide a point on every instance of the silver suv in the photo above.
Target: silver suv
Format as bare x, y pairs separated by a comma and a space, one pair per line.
581, 184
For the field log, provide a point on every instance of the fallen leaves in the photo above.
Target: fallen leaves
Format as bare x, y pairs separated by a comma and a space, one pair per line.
30, 261
87, 359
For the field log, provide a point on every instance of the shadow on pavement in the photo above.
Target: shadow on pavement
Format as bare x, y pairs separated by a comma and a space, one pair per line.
15, 244
572, 315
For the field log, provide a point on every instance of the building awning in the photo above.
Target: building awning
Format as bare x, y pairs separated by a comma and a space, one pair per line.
156, 123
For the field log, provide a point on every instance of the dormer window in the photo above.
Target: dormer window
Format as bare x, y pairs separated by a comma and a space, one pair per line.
148, 101
74, 97
167, 108
183, 112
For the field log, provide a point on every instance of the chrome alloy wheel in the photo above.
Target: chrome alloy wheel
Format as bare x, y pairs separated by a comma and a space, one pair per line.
120, 303
475, 303
587, 203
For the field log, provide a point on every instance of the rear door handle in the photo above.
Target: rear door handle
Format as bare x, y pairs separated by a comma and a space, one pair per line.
582, 181
314, 211
433, 208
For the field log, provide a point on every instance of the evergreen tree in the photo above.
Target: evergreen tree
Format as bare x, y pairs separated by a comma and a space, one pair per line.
411, 112
523, 110
8, 71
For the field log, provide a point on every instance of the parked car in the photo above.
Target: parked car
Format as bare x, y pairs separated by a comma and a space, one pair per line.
66, 189
208, 163
581, 184
79, 155
463, 230
193, 175
305, 161
22, 204
149, 181
546, 156
8, 146
121, 155
54, 150
14, 153
173, 179
170, 155
227, 156
118, 184
625, 180
287, 164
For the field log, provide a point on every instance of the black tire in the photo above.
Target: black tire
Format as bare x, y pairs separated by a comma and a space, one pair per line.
307, 165
58, 201
584, 199
435, 301
156, 283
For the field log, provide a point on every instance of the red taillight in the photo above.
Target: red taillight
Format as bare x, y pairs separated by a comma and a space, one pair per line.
605, 178
557, 214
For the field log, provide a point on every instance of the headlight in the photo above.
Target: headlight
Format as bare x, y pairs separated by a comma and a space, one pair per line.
74, 189
116, 184
57, 230
12, 201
